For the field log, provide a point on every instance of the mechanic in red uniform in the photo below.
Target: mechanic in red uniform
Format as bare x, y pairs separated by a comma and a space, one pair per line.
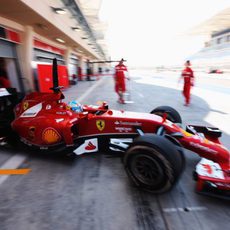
4, 82
120, 78
187, 75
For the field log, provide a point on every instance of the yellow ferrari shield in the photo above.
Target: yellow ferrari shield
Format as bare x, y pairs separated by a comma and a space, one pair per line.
25, 105
100, 124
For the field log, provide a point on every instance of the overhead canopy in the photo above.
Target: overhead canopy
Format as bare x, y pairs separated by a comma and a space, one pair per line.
219, 22
45, 22
91, 11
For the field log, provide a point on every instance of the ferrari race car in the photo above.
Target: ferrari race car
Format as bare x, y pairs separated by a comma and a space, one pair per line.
151, 143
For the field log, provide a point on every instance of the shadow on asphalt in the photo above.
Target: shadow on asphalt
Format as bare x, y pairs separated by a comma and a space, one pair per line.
153, 96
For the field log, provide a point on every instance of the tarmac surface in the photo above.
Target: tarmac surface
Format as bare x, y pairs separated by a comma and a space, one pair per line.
94, 192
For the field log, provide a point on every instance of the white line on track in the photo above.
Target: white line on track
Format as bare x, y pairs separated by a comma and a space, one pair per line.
84, 95
16, 160
186, 209
13, 163
140, 94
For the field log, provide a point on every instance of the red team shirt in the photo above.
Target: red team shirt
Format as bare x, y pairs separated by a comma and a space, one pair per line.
120, 77
4, 83
187, 73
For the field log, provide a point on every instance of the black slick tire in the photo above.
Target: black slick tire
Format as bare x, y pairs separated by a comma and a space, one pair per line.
172, 114
153, 163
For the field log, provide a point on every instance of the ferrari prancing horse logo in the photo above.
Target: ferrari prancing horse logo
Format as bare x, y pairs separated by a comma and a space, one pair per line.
25, 105
100, 124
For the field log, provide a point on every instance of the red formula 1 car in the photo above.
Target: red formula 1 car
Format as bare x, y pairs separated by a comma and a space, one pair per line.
151, 143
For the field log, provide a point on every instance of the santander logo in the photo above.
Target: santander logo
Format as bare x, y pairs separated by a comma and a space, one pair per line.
90, 146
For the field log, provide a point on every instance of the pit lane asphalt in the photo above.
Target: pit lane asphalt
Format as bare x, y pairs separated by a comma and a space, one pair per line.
93, 191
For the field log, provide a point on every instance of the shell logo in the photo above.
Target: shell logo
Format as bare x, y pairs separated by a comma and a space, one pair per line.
50, 136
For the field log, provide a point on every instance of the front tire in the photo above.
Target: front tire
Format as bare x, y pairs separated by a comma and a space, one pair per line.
172, 114
153, 163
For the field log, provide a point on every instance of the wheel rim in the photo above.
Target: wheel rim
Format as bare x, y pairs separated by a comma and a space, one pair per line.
147, 170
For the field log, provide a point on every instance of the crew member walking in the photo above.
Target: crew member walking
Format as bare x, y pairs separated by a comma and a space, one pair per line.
188, 76
120, 78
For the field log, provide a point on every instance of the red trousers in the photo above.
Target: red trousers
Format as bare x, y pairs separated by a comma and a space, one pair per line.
186, 92
120, 84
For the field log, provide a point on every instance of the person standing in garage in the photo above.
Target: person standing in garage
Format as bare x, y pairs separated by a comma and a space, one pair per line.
120, 78
188, 76
4, 82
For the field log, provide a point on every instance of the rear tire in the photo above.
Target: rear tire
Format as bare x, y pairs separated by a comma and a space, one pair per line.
153, 163
172, 114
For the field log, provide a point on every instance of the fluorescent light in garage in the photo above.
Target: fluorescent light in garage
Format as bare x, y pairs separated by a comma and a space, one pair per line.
60, 40
59, 10
76, 28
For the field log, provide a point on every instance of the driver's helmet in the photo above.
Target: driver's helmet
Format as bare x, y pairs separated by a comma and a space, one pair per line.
75, 106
